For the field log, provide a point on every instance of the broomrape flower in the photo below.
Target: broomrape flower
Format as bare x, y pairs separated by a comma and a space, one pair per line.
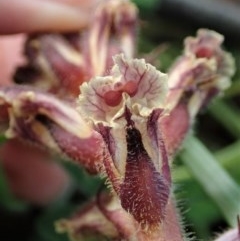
127, 123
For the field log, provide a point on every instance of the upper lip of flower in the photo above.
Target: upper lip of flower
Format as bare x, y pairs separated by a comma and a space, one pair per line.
133, 83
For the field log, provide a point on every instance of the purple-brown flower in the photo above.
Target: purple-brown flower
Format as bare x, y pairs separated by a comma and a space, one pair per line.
127, 123
125, 108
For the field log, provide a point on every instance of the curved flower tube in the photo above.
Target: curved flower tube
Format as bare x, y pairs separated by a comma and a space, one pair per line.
44, 120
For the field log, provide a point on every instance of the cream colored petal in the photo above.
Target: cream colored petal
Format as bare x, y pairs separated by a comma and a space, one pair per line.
132, 83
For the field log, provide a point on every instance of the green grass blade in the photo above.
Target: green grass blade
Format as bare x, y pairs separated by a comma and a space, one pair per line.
213, 178
227, 157
227, 115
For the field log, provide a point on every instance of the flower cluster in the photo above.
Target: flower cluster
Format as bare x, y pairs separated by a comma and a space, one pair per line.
127, 123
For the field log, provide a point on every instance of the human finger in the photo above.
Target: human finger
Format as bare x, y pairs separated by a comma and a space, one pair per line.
43, 15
